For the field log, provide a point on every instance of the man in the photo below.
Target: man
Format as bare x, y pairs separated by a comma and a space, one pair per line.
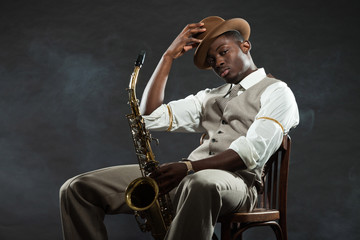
244, 121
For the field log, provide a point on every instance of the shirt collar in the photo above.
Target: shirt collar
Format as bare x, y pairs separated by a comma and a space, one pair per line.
253, 78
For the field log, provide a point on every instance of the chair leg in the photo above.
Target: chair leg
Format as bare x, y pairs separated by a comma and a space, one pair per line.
214, 237
283, 227
277, 230
235, 231
226, 230
273, 224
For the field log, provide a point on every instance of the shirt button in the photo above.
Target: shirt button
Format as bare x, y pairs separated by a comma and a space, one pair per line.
213, 140
223, 122
219, 132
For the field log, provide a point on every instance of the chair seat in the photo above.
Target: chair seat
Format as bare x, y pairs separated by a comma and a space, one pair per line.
257, 215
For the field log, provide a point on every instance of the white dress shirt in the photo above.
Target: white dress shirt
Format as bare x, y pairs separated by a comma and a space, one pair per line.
278, 106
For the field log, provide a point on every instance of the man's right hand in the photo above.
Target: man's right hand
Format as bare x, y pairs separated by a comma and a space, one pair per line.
185, 40
154, 92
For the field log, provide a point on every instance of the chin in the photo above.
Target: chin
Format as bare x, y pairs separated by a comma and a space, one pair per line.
231, 80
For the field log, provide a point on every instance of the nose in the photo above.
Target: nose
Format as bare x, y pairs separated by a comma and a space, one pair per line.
219, 62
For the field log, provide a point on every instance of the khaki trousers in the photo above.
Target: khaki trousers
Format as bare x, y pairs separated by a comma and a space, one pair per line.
198, 200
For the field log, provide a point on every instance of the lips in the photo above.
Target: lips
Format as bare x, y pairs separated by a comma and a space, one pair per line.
224, 72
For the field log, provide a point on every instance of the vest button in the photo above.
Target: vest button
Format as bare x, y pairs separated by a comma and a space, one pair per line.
223, 122
211, 153
213, 140
219, 132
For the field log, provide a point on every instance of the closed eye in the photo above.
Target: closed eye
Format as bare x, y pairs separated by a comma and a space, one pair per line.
210, 61
222, 53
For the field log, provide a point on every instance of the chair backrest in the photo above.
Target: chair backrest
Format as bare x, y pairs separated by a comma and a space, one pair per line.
275, 178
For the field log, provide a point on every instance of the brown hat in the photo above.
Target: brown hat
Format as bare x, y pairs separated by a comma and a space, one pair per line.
215, 26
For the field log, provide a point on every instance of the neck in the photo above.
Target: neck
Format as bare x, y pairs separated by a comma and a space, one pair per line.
250, 70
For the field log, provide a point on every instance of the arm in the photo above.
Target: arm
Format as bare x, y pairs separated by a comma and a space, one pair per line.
262, 139
169, 175
228, 160
154, 92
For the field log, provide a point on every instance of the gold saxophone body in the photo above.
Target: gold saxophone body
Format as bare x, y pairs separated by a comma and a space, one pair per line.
153, 212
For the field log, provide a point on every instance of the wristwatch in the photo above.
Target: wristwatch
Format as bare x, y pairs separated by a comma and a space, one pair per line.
189, 166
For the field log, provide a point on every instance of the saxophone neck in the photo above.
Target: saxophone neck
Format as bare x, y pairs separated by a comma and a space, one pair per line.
134, 76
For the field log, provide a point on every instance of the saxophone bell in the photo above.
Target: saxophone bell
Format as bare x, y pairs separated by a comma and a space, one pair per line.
141, 193
142, 196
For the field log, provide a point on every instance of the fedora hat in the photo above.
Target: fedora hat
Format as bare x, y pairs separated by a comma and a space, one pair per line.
215, 26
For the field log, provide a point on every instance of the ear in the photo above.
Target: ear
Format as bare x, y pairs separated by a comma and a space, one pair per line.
245, 46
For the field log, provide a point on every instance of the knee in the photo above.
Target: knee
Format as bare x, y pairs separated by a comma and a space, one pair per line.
74, 186
64, 188
201, 184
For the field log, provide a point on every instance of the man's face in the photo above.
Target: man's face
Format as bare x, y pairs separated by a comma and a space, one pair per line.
228, 60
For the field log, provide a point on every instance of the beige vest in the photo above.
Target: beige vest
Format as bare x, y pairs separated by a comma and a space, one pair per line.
223, 126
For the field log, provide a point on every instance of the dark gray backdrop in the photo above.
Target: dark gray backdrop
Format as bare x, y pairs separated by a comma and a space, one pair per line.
64, 67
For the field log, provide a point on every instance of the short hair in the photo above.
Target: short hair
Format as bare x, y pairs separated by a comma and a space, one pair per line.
234, 34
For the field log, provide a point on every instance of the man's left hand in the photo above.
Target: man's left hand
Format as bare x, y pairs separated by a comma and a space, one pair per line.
169, 175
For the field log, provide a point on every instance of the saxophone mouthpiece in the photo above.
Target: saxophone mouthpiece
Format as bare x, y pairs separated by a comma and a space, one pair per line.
140, 59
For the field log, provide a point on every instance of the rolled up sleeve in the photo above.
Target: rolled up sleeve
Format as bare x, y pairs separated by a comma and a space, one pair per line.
278, 114
184, 115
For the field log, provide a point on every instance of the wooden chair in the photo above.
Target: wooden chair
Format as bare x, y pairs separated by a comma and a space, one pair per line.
271, 209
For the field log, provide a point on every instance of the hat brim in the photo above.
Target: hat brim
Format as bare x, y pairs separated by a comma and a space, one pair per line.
238, 24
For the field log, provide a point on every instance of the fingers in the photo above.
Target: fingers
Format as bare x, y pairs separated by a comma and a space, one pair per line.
191, 30
168, 176
165, 183
195, 25
186, 40
194, 28
187, 36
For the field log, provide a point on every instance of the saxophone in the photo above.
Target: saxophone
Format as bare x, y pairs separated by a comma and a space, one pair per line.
153, 212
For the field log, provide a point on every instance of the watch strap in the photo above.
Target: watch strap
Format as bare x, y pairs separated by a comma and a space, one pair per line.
190, 169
